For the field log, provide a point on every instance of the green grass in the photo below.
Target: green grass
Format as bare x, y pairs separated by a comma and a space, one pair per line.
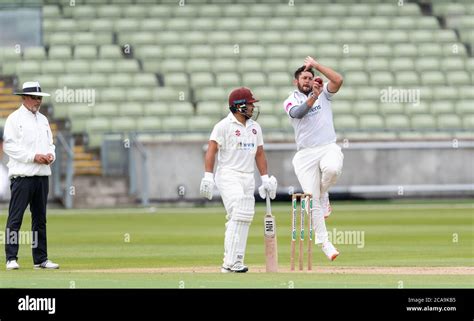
396, 234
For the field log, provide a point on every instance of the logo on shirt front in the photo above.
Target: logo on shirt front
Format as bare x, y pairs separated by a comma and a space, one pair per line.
254, 131
237, 132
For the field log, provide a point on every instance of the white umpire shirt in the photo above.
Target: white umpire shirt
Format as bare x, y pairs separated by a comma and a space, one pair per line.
25, 135
316, 128
237, 143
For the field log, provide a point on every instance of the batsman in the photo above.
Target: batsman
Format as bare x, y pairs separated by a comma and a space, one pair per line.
237, 140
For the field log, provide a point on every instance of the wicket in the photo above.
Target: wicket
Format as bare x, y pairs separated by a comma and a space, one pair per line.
306, 201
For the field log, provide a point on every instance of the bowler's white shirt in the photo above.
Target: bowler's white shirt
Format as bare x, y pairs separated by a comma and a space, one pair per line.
316, 128
25, 135
237, 143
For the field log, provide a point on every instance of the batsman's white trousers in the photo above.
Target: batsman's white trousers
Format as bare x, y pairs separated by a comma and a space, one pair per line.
237, 192
317, 169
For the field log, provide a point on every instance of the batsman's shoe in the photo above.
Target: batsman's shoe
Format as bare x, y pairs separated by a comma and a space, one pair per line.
330, 251
236, 268
326, 205
12, 265
46, 265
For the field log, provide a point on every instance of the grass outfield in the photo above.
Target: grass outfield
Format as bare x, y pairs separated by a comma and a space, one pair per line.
405, 244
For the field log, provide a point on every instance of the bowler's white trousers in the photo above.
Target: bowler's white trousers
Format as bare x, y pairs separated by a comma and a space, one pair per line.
317, 169
237, 190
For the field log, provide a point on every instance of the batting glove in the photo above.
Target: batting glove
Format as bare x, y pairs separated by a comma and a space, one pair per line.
207, 185
269, 185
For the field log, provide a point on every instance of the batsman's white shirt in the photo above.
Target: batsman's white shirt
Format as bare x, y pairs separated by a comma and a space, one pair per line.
316, 128
27, 134
237, 143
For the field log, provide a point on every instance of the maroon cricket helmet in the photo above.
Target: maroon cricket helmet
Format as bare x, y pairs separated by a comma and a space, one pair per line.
241, 96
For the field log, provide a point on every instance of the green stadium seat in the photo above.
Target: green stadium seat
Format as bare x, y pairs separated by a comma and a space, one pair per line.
427, 22
139, 94
144, 80
449, 122
368, 93
223, 65
159, 11
51, 11
217, 37
422, 36
377, 64
404, 23
52, 67
211, 94
123, 124
105, 109
466, 92
84, 12
34, 53
98, 124
156, 109
405, 50
72, 80
351, 64
176, 79
397, 122
226, 51
228, 79
276, 65
202, 123
341, 107
269, 122
211, 108
334, 10
135, 11
143, 38
97, 80
174, 123
59, 38
468, 122
112, 95
259, 10
202, 79
253, 51
356, 78
109, 12
204, 24
430, 50
183, 108
252, 79
185, 11
151, 25
452, 63
149, 52
60, 53
396, 36
48, 82
464, 107
378, 23
423, 122
345, 93
201, 51
324, 50
371, 36
345, 36
458, 78
442, 107
110, 52
28, 67
148, 124
381, 78
391, 108
446, 36
127, 66
176, 51
345, 122
151, 66
444, 93
355, 50
236, 10
80, 111
456, 50
402, 64
249, 65
421, 107
270, 93
131, 109
103, 66
406, 78
85, 52
211, 10
60, 111
427, 64
178, 24
120, 80
277, 51
77, 66
103, 25
433, 78
354, 23
172, 65
380, 50
371, 122
278, 78
361, 107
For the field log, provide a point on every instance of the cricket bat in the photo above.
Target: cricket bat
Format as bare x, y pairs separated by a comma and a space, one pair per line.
271, 251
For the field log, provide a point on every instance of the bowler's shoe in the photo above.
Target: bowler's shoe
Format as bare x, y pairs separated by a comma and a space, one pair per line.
46, 265
12, 265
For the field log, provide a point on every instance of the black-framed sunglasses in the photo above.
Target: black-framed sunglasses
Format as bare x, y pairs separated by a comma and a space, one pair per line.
35, 97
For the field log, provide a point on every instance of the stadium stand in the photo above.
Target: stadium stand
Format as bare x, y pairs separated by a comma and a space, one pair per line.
177, 64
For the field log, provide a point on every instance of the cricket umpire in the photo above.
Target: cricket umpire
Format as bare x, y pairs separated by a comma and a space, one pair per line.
28, 142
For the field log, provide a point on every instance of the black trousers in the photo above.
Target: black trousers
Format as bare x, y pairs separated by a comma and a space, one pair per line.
26, 191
